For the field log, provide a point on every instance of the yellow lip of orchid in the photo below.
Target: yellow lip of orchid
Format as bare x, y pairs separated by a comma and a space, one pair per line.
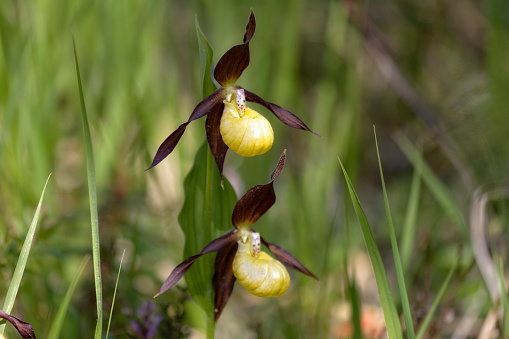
258, 272
244, 130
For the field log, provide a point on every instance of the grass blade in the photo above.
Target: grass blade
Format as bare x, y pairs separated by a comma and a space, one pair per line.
115, 294
22, 261
56, 326
408, 231
439, 190
395, 252
392, 323
431, 312
92, 192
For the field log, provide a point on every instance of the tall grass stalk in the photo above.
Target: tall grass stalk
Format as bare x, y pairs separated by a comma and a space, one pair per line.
92, 193
392, 323
58, 322
395, 252
22, 261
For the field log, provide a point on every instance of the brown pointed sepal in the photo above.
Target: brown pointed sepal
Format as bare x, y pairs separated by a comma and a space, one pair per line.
231, 65
287, 259
257, 200
177, 274
179, 271
207, 105
286, 117
168, 145
23, 328
223, 280
214, 138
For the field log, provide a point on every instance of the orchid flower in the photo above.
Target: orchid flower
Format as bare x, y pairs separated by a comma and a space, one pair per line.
230, 123
239, 256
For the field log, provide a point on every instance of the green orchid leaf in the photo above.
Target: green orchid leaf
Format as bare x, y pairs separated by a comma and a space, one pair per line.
392, 323
206, 215
206, 57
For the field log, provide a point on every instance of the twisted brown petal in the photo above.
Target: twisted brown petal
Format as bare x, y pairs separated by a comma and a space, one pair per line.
179, 271
214, 138
286, 258
250, 27
177, 274
231, 65
286, 117
23, 328
203, 108
257, 200
223, 280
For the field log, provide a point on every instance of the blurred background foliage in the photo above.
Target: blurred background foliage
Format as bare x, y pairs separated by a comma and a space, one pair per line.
433, 74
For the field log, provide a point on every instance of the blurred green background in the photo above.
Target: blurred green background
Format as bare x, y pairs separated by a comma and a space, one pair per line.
433, 74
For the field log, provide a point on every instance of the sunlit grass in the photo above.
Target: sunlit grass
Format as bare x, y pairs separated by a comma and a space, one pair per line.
140, 69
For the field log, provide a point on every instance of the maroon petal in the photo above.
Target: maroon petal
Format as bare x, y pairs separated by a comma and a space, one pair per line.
231, 65
223, 280
177, 274
221, 242
257, 200
286, 258
168, 145
287, 117
208, 104
213, 246
23, 328
253, 204
203, 108
250, 27
279, 167
216, 143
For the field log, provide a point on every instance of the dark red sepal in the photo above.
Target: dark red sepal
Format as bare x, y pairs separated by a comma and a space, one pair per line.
223, 280
179, 271
286, 117
23, 328
231, 65
168, 145
177, 274
257, 200
203, 108
286, 258
214, 138
250, 27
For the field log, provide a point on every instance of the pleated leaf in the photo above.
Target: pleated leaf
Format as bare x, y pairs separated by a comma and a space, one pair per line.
206, 215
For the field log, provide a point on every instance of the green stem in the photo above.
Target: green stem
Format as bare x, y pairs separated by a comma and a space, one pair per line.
208, 232
211, 326
208, 196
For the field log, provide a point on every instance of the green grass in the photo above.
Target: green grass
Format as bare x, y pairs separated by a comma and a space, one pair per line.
140, 73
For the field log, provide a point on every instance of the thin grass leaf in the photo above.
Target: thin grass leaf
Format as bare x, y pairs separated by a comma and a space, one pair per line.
395, 252
408, 231
392, 323
92, 193
439, 190
356, 308
58, 322
22, 261
431, 312
503, 298
115, 294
